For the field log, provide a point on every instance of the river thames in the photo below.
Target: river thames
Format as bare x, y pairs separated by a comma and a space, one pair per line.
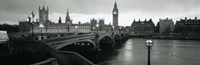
164, 52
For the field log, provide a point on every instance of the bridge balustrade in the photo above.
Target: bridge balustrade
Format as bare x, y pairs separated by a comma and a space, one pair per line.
50, 61
76, 58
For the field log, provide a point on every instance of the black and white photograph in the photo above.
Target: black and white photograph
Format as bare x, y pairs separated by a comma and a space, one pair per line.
99, 32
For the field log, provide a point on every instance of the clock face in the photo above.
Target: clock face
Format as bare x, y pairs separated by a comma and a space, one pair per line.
115, 12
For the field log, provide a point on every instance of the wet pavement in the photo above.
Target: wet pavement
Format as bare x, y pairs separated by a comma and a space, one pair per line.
164, 52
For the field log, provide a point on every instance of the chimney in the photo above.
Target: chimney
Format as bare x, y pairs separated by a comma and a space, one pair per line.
167, 18
79, 22
195, 18
185, 18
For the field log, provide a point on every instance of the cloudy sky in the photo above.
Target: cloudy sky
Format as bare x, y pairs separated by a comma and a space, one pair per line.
12, 11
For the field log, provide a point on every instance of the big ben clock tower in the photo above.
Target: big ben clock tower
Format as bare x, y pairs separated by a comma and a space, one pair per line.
115, 15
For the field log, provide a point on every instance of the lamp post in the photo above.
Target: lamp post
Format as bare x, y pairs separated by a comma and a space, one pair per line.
33, 36
97, 34
31, 22
76, 28
32, 18
113, 27
113, 30
41, 26
149, 44
120, 29
97, 27
93, 28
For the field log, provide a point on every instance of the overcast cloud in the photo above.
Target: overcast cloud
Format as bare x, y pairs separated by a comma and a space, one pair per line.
12, 11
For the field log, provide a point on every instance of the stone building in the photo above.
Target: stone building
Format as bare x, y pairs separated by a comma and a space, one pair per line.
188, 26
24, 26
165, 26
100, 25
44, 25
85, 27
142, 27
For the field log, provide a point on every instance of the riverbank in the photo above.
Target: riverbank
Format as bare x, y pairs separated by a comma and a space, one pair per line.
168, 36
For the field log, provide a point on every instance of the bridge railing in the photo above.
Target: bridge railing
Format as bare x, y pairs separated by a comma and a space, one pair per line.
58, 44
72, 36
61, 41
64, 38
75, 57
50, 61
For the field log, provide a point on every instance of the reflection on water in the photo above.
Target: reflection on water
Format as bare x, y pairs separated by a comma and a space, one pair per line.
164, 52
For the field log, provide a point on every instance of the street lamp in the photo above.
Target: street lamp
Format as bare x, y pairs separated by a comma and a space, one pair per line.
113, 28
120, 29
31, 20
41, 26
93, 28
97, 34
76, 28
97, 27
32, 26
149, 44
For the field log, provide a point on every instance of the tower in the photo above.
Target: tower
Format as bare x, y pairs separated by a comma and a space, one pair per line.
59, 20
101, 24
115, 15
93, 24
67, 18
43, 14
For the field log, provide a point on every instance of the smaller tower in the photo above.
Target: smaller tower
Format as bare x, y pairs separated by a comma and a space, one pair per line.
59, 21
67, 18
43, 14
101, 24
93, 24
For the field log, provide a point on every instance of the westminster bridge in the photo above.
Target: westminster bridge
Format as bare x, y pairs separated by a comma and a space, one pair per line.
63, 49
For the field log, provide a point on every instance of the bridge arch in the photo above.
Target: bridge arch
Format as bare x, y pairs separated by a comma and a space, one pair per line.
82, 45
117, 39
106, 42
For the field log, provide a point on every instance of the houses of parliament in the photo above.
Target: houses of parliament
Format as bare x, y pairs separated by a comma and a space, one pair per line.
44, 25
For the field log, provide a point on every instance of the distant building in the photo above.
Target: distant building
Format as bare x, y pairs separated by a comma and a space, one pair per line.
80, 27
51, 27
93, 23
100, 25
44, 25
24, 26
165, 26
142, 27
188, 26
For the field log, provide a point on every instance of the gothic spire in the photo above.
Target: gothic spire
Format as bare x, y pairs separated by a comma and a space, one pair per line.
43, 7
67, 19
32, 14
115, 5
67, 13
60, 21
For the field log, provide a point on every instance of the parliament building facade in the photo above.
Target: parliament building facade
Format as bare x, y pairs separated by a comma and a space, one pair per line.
44, 25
